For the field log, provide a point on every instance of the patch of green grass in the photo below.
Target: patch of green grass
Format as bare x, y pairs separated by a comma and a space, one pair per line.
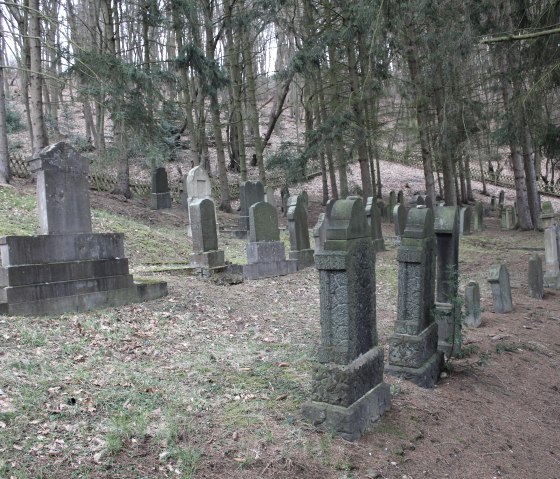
467, 351
386, 427
18, 213
508, 347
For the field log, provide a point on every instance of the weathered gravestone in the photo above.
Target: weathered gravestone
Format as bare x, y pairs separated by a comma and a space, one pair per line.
420, 200
206, 255
428, 202
320, 229
67, 267
507, 218
284, 195
535, 277
161, 198
465, 220
399, 219
472, 305
299, 232
448, 311
266, 254
413, 352
498, 278
501, 200
305, 199
382, 209
551, 247
391, 206
269, 196
400, 197
250, 192
478, 223
198, 186
493, 203
514, 216
374, 224
348, 392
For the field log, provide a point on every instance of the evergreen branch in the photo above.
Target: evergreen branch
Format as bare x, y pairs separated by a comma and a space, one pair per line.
522, 36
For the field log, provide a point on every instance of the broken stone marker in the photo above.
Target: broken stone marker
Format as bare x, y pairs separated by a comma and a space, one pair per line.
498, 278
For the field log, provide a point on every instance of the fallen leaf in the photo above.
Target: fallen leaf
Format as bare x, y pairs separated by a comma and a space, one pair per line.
281, 397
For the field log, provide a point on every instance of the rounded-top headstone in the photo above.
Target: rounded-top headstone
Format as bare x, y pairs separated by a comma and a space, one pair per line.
419, 223
198, 183
263, 223
203, 224
446, 220
399, 219
159, 180
347, 220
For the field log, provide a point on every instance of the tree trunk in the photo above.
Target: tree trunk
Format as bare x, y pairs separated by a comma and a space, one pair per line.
4, 152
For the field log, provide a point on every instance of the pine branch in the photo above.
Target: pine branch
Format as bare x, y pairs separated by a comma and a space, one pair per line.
523, 36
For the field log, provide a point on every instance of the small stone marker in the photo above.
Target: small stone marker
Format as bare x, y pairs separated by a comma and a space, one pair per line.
507, 218
299, 232
399, 219
465, 220
320, 229
198, 186
448, 314
62, 190
535, 277
478, 216
250, 192
501, 289
493, 203
374, 223
348, 392
501, 199
413, 352
391, 206
472, 305
206, 254
400, 197
161, 198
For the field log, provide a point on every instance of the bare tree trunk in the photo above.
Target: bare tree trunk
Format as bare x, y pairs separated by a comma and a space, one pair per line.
4, 153
319, 87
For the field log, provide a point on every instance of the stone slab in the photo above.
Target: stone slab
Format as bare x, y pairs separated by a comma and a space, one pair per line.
208, 259
266, 252
66, 271
350, 422
413, 350
160, 201
85, 302
269, 270
20, 250
449, 329
425, 377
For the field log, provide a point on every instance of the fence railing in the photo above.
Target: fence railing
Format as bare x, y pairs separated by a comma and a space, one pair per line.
105, 182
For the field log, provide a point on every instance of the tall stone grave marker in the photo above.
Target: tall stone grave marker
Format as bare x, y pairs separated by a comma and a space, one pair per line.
399, 219
161, 197
498, 278
507, 218
391, 206
448, 312
250, 192
501, 200
535, 277
284, 195
299, 232
269, 196
400, 197
266, 254
320, 229
551, 247
493, 203
206, 255
348, 392
413, 352
473, 316
465, 220
67, 267
198, 186
374, 224
478, 224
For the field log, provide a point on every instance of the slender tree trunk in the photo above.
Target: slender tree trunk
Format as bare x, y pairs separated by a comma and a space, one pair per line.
319, 87
4, 152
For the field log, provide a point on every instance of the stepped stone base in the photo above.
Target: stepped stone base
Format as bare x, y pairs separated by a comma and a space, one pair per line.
425, 376
267, 259
53, 274
207, 260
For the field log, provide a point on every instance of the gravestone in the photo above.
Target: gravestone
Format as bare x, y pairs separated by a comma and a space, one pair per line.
198, 186
382, 209
185, 194
448, 312
472, 305
206, 255
498, 278
348, 392
298, 229
551, 247
413, 352
478, 224
493, 203
305, 199
67, 267
514, 216
428, 202
391, 206
250, 192
266, 254
374, 224
400, 197
161, 198
507, 218
399, 219
535, 277
465, 220
320, 229
420, 200
269, 196
501, 199
284, 195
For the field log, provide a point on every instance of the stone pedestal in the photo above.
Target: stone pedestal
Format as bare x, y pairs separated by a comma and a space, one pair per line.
507, 218
551, 257
501, 289
535, 277
160, 201
206, 255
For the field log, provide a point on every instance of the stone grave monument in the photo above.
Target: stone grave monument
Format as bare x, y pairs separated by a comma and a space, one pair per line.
399, 219
473, 316
391, 206
551, 247
506, 218
250, 192
266, 254
66, 267
206, 257
498, 278
478, 217
161, 197
501, 200
448, 310
269, 195
348, 392
320, 229
373, 216
493, 203
465, 220
413, 351
198, 186
298, 228
284, 195
382, 209
400, 197
535, 277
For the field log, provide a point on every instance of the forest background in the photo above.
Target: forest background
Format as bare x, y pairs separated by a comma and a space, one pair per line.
457, 85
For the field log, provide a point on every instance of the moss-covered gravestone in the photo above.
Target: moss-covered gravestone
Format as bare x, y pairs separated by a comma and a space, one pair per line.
374, 224
413, 352
348, 392
448, 311
300, 249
